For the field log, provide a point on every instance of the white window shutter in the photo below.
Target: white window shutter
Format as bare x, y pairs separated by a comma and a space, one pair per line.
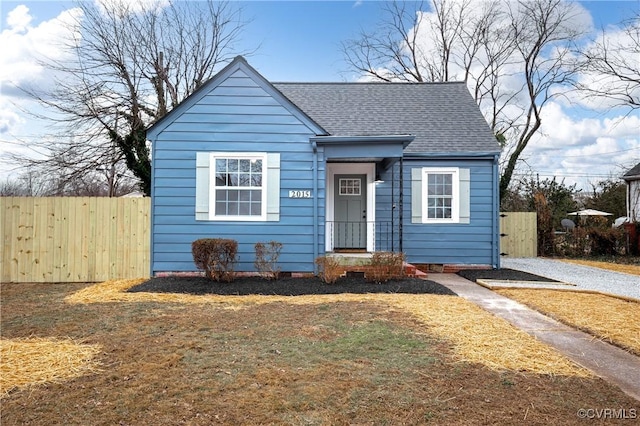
203, 176
273, 187
465, 195
416, 195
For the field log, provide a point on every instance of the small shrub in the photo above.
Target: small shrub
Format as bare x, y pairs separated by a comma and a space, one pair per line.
329, 269
546, 234
266, 262
607, 241
574, 243
385, 266
216, 257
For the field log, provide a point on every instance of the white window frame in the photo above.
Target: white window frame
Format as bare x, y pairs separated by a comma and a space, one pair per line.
455, 194
212, 185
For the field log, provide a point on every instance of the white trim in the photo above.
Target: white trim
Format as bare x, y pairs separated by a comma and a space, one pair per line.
368, 169
455, 194
212, 186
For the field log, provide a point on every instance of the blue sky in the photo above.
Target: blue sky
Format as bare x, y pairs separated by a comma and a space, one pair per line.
300, 41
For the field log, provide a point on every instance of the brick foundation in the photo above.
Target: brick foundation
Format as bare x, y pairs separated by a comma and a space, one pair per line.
447, 268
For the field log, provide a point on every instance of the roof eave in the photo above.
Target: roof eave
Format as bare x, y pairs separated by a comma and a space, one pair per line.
630, 178
454, 154
405, 140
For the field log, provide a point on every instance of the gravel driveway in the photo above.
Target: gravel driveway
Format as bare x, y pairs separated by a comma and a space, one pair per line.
584, 277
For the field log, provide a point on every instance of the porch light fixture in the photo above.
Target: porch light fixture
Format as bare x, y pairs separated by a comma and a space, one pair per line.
378, 179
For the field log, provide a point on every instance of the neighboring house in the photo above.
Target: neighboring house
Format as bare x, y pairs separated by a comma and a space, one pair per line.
323, 167
632, 177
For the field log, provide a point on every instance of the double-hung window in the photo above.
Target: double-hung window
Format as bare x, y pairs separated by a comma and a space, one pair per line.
441, 195
239, 186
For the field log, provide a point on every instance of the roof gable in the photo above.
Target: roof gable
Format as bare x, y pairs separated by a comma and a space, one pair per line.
443, 117
238, 66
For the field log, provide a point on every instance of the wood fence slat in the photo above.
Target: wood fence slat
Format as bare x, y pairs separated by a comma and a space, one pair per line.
103, 229
39, 242
114, 239
81, 271
74, 239
25, 240
48, 236
128, 216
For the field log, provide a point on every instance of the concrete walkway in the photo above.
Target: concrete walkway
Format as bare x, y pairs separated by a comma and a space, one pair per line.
607, 361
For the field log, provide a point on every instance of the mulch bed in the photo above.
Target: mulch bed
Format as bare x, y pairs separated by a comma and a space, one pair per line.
501, 274
287, 286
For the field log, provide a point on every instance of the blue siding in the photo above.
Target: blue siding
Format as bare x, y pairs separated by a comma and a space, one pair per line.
237, 115
472, 243
239, 111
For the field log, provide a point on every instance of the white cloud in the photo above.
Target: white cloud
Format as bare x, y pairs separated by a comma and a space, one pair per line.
8, 117
582, 150
559, 130
23, 44
126, 7
19, 19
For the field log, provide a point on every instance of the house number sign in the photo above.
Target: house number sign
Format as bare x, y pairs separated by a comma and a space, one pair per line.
299, 194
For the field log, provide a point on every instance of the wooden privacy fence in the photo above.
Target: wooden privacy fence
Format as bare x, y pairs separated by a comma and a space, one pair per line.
518, 234
83, 239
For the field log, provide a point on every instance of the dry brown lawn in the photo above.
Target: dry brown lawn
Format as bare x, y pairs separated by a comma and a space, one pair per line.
609, 318
33, 361
611, 266
346, 359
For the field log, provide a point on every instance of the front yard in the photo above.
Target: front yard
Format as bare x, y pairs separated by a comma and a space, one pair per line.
336, 359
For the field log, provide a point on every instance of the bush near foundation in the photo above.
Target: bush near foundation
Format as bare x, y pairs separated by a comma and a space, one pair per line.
330, 269
266, 262
216, 257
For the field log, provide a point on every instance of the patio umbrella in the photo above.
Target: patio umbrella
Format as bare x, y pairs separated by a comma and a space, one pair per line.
589, 212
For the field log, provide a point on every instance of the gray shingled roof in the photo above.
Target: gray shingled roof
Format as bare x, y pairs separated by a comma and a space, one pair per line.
443, 117
633, 173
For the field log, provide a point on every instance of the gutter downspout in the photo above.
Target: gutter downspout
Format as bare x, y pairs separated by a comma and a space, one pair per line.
152, 210
315, 203
628, 200
495, 239
401, 203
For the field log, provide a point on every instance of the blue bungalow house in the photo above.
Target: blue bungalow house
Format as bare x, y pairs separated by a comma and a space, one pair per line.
325, 167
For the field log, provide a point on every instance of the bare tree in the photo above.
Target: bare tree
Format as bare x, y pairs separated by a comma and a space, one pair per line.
392, 52
133, 62
42, 182
612, 66
511, 54
539, 26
